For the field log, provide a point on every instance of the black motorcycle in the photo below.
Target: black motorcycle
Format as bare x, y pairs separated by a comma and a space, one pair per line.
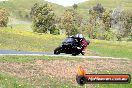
70, 45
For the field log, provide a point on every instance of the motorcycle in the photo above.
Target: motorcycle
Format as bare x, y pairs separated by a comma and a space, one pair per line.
70, 45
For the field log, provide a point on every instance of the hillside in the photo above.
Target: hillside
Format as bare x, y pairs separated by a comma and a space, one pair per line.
126, 4
22, 7
19, 38
109, 4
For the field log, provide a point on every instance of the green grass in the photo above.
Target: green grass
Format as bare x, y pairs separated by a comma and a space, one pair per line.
28, 41
52, 82
121, 49
18, 38
24, 59
44, 81
7, 81
114, 86
25, 27
18, 59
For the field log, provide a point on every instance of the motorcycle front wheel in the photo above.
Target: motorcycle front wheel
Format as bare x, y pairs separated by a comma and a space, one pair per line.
58, 50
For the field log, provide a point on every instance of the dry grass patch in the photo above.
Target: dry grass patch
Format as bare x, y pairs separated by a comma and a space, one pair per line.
64, 69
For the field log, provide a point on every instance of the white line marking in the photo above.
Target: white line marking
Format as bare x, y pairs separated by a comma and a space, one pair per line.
92, 57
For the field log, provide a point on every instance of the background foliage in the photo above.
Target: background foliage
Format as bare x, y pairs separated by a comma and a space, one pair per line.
3, 17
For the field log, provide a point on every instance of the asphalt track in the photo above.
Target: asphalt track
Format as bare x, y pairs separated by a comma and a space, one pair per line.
29, 53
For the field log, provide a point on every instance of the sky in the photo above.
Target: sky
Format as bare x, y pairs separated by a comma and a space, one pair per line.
66, 2
63, 2
3, 0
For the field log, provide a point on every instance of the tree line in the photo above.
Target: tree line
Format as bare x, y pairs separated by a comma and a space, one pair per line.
101, 23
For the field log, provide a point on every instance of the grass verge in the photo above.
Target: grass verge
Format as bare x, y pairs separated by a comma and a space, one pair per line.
28, 41
121, 49
56, 72
24, 40
7, 81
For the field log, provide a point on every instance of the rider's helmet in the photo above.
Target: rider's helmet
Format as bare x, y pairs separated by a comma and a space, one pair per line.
71, 36
79, 36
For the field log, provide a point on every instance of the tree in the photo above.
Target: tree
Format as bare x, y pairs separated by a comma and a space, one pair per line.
107, 20
92, 23
20, 14
75, 6
43, 18
71, 21
95, 21
122, 21
126, 18
98, 9
116, 22
33, 10
3, 17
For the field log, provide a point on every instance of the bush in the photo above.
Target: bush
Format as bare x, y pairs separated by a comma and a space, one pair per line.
108, 35
55, 31
119, 37
130, 38
43, 19
71, 22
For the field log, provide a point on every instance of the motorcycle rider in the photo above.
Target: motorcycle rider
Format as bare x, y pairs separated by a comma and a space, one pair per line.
83, 43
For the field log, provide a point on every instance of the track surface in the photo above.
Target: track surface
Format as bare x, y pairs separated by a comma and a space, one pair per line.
28, 53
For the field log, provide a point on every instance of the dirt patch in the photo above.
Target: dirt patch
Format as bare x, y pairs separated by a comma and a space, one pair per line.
65, 69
